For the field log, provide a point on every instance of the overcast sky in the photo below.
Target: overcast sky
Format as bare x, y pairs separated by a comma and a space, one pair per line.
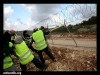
26, 16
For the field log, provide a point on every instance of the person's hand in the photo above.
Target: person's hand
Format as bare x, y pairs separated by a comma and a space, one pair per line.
13, 47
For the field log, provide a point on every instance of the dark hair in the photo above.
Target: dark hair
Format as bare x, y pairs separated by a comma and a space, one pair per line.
24, 32
42, 27
6, 37
6, 40
34, 30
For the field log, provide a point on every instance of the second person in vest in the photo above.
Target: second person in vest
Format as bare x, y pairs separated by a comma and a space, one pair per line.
25, 55
40, 45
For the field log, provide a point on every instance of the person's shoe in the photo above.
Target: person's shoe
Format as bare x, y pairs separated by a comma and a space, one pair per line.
44, 68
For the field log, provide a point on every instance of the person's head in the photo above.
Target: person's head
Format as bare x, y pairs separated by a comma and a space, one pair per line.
6, 36
6, 40
42, 28
35, 29
12, 32
24, 32
18, 39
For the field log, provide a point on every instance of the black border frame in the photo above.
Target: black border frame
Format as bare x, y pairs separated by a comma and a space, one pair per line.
41, 2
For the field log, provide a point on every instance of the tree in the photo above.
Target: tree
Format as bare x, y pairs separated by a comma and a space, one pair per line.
70, 27
92, 20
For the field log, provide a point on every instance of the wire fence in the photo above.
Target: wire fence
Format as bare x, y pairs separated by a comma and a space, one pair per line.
73, 14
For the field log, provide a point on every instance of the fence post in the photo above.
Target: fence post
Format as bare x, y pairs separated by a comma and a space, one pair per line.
71, 35
68, 29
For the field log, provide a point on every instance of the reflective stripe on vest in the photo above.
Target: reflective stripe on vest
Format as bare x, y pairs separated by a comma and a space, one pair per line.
23, 52
39, 39
22, 59
41, 45
7, 62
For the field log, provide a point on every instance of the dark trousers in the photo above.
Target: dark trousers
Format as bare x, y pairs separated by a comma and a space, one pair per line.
30, 46
36, 62
48, 52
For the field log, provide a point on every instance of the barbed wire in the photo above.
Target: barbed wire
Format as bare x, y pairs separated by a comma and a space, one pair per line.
72, 14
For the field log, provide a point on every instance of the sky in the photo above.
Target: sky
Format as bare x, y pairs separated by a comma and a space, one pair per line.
28, 16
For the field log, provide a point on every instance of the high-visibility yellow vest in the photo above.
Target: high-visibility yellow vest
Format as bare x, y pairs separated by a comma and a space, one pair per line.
39, 39
23, 52
7, 62
10, 44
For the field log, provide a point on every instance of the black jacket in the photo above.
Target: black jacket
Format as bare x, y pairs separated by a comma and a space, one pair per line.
6, 49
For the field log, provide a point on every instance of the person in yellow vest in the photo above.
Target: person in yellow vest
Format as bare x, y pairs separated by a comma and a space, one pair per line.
40, 45
13, 34
8, 64
13, 37
25, 55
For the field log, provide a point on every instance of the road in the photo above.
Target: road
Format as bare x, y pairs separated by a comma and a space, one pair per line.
70, 42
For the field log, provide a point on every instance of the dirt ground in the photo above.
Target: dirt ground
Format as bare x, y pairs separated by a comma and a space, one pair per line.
67, 60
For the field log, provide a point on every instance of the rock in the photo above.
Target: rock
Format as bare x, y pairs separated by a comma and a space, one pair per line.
88, 62
73, 56
47, 62
59, 53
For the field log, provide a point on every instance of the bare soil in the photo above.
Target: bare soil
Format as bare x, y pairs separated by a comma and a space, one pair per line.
67, 60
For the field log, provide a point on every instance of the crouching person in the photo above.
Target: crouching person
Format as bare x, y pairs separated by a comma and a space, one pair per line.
25, 56
8, 64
